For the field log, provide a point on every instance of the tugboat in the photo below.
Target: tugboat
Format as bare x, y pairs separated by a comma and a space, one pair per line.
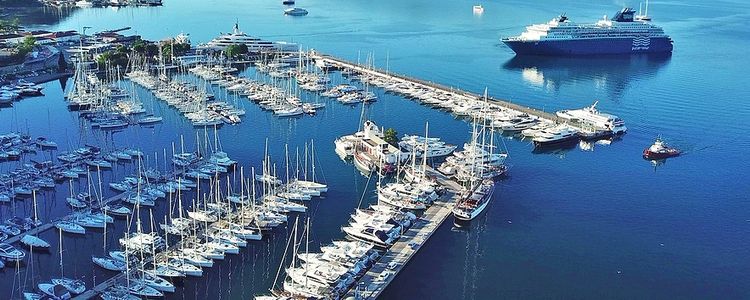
659, 150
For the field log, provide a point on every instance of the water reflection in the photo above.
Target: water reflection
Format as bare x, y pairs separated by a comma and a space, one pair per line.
613, 73
38, 14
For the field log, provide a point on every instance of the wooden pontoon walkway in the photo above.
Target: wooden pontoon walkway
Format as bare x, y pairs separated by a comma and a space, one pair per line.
384, 271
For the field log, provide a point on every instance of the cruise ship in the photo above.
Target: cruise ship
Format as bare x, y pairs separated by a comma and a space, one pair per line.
254, 44
623, 34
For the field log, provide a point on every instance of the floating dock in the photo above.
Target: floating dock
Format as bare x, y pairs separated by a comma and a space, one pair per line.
384, 271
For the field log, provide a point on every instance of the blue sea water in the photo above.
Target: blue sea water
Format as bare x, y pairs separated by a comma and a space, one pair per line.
569, 224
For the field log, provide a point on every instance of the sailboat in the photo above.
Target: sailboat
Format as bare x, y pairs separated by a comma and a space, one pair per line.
33, 241
310, 184
74, 286
475, 199
70, 227
118, 292
109, 263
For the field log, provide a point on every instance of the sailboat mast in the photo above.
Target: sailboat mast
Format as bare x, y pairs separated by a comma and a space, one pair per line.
61, 253
312, 157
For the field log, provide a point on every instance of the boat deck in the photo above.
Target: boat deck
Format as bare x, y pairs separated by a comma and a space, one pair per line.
384, 271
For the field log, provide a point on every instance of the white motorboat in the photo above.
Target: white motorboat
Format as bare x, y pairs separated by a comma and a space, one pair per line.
379, 238
84, 3
10, 253
148, 120
556, 136
592, 116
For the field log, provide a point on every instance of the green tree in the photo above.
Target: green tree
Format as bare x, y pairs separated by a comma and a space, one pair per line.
390, 136
139, 46
234, 51
26, 46
112, 58
151, 50
181, 49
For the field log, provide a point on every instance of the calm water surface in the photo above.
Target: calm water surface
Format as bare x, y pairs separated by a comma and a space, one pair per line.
592, 224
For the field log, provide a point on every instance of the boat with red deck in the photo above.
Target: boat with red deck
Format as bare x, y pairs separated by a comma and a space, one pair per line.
659, 150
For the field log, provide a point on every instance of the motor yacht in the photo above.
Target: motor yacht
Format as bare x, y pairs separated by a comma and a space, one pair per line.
254, 44
556, 136
592, 116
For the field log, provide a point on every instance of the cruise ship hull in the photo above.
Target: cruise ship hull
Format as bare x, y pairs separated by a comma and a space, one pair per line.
590, 46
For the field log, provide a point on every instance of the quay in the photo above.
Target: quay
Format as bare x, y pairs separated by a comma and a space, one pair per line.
385, 270
585, 131
344, 64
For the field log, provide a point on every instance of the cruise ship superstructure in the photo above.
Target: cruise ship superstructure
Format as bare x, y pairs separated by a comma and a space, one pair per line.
623, 34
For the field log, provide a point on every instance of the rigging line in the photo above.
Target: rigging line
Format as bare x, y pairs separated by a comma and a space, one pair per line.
359, 205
